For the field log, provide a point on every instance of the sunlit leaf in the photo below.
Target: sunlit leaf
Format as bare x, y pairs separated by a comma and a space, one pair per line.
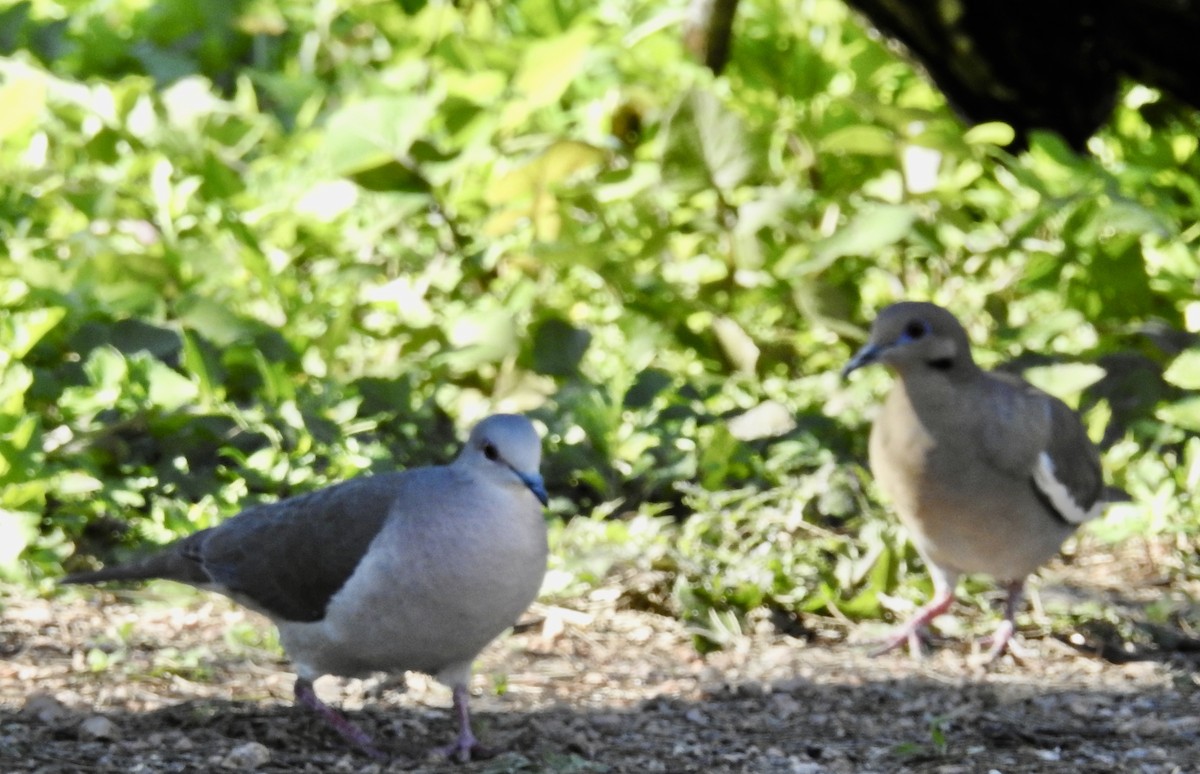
547, 69
550, 65
1122, 217
863, 139
1064, 379
547, 169
1184, 413
736, 344
528, 192
27, 328
22, 100
870, 230
370, 135
17, 530
481, 336
203, 361
170, 390
215, 322
990, 133
706, 145
17, 380
1184, 371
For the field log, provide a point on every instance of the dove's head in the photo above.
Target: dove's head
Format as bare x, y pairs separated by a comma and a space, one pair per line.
914, 335
507, 446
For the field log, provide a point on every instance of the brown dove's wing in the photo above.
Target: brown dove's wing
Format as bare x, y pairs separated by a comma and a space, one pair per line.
1046, 442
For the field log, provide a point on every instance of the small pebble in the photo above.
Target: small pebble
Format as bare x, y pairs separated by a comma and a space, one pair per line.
98, 727
250, 755
45, 708
783, 705
797, 766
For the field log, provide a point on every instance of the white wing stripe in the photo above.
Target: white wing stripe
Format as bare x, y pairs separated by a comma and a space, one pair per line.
1059, 496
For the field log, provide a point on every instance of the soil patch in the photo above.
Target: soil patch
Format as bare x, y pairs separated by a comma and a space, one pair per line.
108, 682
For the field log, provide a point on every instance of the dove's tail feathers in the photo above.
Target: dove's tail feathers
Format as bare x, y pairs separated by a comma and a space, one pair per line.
1114, 494
171, 564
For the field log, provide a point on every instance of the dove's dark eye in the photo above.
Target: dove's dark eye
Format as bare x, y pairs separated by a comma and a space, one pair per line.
490, 452
915, 329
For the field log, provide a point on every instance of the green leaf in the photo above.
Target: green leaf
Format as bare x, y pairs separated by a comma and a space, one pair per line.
528, 193
558, 347
990, 133
203, 361
1184, 371
718, 458
17, 531
547, 69
1117, 284
648, 384
377, 133
20, 435
1123, 217
396, 176
1064, 379
130, 336
215, 321
28, 495
869, 231
550, 65
22, 101
106, 368
706, 146
864, 604
481, 336
737, 345
16, 382
863, 140
553, 166
12, 21
74, 482
29, 327
1184, 413
170, 390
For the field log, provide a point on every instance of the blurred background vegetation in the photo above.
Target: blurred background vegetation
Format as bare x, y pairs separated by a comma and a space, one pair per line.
253, 248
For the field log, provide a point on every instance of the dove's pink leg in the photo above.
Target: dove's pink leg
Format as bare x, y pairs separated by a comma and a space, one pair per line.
350, 732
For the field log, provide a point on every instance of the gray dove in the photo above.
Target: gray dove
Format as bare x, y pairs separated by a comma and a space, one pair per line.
412, 570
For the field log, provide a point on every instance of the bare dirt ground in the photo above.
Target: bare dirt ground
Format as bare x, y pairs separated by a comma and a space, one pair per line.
599, 688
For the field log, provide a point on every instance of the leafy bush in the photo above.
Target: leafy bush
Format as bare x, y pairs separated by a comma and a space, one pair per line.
256, 249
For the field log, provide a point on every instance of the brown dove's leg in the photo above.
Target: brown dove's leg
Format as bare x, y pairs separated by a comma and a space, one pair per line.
1002, 639
350, 732
910, 631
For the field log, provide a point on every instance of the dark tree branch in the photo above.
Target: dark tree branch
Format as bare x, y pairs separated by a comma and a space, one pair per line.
1046, 64
708, 31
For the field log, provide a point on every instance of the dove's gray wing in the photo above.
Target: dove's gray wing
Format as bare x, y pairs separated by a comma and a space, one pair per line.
285, 559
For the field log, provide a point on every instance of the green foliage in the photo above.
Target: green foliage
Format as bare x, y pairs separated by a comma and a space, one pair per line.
256, 248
